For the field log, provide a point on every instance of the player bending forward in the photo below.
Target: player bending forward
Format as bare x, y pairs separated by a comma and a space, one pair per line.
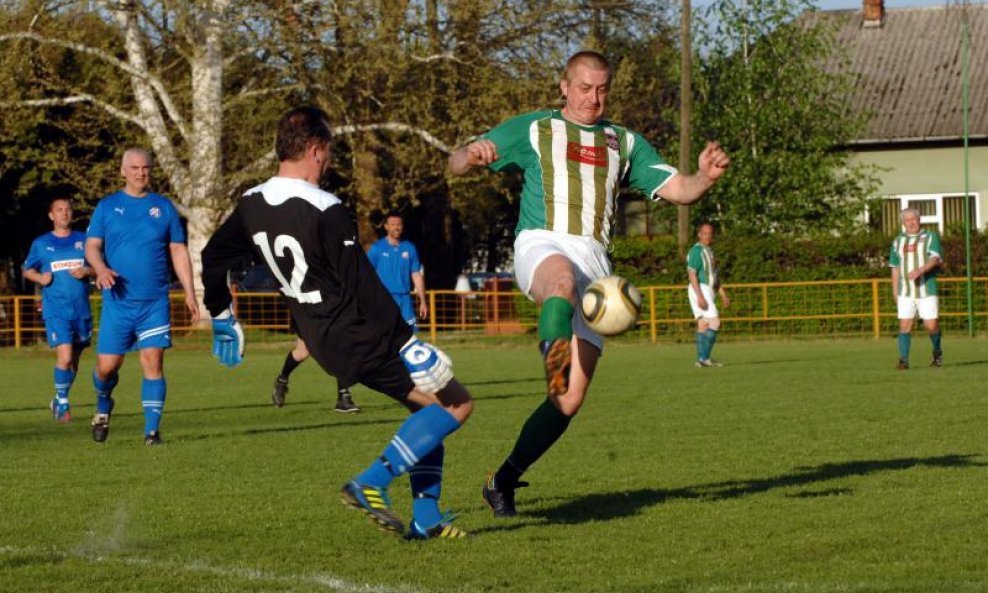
350, 323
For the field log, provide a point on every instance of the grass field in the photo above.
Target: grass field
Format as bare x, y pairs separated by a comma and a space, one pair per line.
799, 466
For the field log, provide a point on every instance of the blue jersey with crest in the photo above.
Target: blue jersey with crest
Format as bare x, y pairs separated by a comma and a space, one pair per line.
394, 264
136, 234
66, 297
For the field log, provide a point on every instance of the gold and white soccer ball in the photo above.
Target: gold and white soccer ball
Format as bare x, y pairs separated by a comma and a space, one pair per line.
611, 305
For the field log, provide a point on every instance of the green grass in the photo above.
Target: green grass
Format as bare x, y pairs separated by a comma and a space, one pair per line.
800, 466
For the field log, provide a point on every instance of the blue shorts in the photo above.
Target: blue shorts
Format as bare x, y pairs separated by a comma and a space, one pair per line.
404, 301
134, 325
78, 332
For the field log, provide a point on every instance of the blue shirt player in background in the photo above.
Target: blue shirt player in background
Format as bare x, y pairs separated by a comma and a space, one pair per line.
132, 236
396, 262
57, 263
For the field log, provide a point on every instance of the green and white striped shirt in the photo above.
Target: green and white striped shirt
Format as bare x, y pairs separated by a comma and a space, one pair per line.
701, 260
572, 172
911, 252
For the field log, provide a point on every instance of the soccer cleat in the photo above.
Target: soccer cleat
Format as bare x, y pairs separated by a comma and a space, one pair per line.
101, 427
501, 501
709, 363
373, 502
345, 405
902, 365
444, 529
280, 391
60, 411
558, 357
152, 439
937, 359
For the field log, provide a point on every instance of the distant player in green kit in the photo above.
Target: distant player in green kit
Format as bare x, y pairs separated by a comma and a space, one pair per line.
914, 259
704, 285
573, 162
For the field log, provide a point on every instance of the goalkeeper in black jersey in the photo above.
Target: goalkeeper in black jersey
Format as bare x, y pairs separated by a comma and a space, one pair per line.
347, 318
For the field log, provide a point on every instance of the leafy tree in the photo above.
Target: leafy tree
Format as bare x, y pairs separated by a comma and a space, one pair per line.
766, 94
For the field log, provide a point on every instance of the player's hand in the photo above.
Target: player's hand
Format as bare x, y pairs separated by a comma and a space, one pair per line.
701, 302
713, 161
915, 274
481, 153
725, 299
428, 366
228, 339
423, 310
106, 278
46, 279
193, 307
79, 273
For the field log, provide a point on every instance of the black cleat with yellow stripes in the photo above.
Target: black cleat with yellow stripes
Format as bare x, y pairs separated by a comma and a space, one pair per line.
373, 502
442, 530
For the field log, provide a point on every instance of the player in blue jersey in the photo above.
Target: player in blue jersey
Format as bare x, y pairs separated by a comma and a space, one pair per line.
132, 236
57, 263
397, 263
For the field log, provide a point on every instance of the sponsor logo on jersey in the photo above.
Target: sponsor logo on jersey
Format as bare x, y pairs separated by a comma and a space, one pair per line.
49, 248
120, 210
404, 255
348, 243
588, 155
612, 140
155, 212
910, 248
66, 264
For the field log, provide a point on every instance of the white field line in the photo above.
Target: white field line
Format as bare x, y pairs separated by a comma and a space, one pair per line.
327, 581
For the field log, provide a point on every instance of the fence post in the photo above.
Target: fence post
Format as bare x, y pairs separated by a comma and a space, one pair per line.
875, 319
653, 322
432, 317
765, 301
17, 322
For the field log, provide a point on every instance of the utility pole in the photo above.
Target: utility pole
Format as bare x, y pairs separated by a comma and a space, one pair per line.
685, 113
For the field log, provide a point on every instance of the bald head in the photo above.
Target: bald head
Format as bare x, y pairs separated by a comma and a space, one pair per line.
135, 167
590, 59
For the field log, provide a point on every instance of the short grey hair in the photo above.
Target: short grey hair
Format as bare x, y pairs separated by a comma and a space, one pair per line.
135, 151
905, 211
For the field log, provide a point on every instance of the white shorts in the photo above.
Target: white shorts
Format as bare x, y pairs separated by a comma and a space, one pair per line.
589, 259
708, 293
927, 307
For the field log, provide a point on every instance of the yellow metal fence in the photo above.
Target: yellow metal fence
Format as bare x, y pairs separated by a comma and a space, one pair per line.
863, 308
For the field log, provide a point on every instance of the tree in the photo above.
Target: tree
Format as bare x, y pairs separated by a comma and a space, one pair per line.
765, 94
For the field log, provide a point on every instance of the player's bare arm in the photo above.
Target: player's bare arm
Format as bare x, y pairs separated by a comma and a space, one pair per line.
183, 269
105, 277
686, 189
81, 272
419, 281
926, 268
895, 283
41, 279
724, 298
479, 153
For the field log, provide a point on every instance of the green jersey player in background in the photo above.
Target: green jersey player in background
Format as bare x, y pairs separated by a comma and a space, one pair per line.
915, 258
573, 162
701, 266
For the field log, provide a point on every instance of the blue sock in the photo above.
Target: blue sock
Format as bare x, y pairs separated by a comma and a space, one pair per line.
904, 346
935, 338
427, 483
701, 338
711, 340
422, 432
104, 391
63, 382
153, 400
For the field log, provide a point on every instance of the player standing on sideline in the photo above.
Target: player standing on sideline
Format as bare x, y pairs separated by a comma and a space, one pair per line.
132, 235
914, 259
573, 162
704, 283
57, 263
395, 262
295, 357
353, 328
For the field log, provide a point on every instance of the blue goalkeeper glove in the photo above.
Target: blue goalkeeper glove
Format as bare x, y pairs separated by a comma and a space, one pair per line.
228, 339
428, 366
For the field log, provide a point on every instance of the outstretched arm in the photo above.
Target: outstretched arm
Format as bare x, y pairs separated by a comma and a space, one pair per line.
686, 189
479, 153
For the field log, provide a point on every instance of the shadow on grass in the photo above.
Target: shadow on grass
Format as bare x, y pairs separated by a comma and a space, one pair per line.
504, 381
761, 362
615, 505
294, 428
969, 363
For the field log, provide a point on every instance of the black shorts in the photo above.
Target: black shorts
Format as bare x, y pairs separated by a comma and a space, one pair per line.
390, 378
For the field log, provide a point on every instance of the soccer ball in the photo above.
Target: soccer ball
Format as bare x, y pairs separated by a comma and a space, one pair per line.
611, 305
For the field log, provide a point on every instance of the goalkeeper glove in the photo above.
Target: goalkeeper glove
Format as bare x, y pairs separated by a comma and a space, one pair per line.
428, 366
228, 339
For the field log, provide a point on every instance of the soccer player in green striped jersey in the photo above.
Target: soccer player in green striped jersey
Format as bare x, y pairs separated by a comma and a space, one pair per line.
914, 259
704, 284
572, 161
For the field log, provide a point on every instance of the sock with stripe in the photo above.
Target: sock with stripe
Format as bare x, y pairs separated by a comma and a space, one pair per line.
153, 401
556, 319
422, 432
542, 429
427, 482
904, 340
935, 339
63, 382
104, 391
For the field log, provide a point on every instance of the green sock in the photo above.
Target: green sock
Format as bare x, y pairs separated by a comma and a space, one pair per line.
711, 339
701, 339
541, 430
935, 338
556, 319
904, 340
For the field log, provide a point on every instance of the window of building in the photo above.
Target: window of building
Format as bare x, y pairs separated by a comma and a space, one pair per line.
943, 213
